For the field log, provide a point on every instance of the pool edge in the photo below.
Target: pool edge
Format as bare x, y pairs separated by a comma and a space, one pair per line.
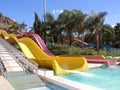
48, 76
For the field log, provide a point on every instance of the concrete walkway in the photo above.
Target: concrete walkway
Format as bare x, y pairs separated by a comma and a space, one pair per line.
4, 84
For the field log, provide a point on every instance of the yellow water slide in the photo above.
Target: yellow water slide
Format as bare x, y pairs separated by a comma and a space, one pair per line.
61, 65
4, 34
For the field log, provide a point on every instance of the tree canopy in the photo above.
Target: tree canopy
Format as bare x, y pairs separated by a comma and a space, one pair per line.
76, 24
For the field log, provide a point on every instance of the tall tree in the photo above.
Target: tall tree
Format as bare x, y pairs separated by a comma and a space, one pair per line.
37, 24
96, 20
108, 34
47, 25
117, 35
79, 17
23, 27
15, 28
79, 26
67, 20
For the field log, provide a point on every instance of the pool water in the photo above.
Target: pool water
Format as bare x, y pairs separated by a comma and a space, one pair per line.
52, 86
49, 86
107, 78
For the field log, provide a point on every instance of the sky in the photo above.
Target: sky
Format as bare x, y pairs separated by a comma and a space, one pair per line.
23, 10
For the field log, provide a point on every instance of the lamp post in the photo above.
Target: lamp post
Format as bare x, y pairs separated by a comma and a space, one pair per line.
44, 21
44, 10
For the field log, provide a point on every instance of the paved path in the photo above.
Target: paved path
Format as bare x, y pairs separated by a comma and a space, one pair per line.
4, 84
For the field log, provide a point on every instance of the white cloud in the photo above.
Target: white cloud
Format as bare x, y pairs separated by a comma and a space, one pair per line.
61, 11
14, 20
117, 15
53, 11
58, 11
113, 26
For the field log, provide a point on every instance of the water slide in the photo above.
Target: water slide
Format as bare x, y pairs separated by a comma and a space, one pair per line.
78, 41
99, 59
81, 42
39, 41
43, 46
61, 65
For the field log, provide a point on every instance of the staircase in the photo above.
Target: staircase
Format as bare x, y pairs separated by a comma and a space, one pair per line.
17, 69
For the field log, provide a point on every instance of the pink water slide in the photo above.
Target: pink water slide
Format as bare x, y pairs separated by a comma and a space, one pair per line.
102, 61
42, 44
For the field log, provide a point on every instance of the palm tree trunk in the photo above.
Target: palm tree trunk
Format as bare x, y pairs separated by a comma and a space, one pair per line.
100, 40
97, 39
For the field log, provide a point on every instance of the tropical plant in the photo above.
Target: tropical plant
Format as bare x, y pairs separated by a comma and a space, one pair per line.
79, 27
67, 19
15, 28
37, 25
117, 35
63, 18
23, 27
108, 34
95, 21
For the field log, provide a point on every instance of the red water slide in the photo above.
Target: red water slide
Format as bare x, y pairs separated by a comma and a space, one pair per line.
80, 41
77, 40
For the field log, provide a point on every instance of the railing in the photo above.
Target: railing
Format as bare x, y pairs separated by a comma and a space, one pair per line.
18, 56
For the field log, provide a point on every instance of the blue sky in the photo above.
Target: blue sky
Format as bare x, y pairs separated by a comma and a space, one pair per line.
23, 10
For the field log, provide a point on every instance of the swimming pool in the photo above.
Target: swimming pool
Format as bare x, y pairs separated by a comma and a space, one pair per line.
53, 86
107, 78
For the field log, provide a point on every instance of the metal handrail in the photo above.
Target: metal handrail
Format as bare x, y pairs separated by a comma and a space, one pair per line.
24, 62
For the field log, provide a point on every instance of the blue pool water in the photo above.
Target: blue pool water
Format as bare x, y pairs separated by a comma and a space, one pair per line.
52, 86
107, 78
49, 86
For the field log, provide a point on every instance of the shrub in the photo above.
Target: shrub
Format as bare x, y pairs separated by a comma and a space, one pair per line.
88, 51
113, 53
64, 50
74, 51
103, 52
58, 49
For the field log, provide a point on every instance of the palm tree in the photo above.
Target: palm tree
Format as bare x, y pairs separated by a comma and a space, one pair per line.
48, 24
79, 26
56, 32
23, 27
96, 21
15, 28
117, 34
67, 21
108, 34
79, 21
